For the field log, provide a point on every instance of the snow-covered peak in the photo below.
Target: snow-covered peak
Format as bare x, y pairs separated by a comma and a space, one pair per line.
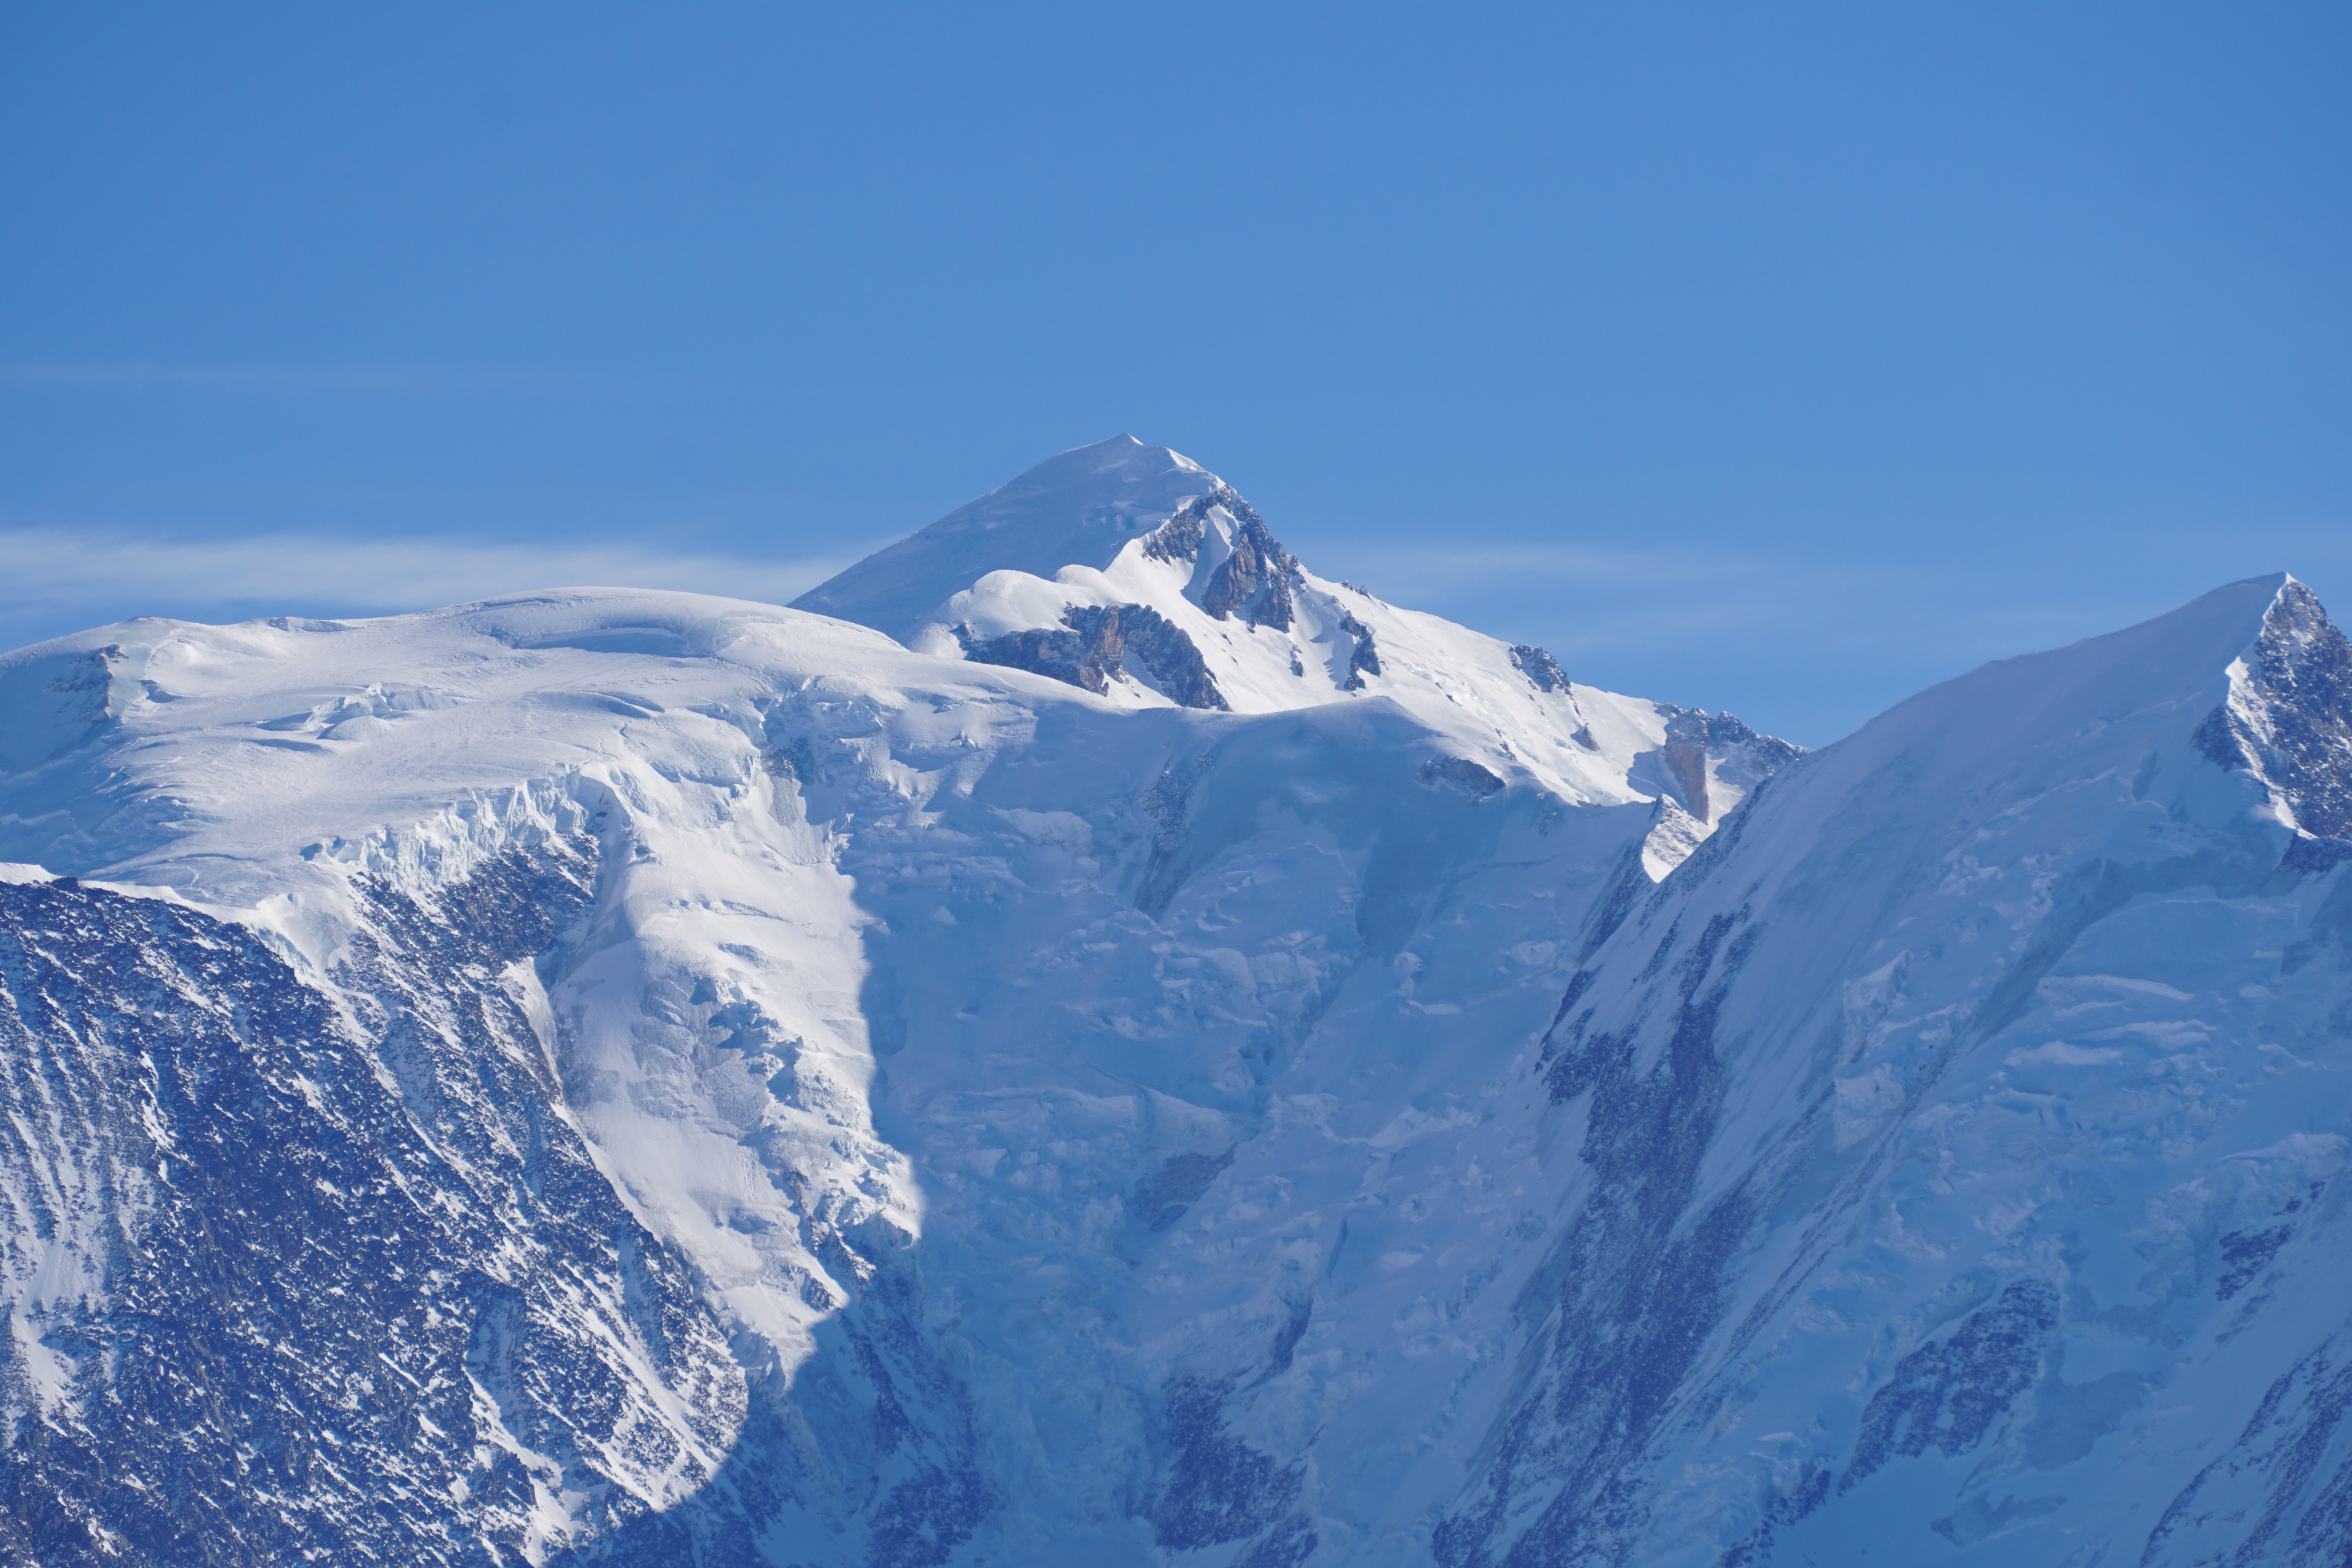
2144, 713
1136, 574
2251, 677
1078, 508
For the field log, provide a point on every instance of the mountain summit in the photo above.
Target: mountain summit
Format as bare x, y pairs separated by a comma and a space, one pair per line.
1133, 574
1079, 507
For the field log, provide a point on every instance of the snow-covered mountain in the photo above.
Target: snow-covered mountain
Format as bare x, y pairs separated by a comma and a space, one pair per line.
1133, 572
605, 1076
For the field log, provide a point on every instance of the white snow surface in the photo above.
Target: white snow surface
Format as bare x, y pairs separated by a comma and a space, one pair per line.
1008, 947
1225, 1050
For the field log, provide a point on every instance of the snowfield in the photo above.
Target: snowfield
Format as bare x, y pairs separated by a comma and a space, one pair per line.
1085, 1044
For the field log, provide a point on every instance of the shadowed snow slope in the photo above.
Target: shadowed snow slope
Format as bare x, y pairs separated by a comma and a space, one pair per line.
1961, 1126
641, 1078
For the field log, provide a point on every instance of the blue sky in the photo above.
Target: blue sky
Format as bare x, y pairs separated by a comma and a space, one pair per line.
1783, 358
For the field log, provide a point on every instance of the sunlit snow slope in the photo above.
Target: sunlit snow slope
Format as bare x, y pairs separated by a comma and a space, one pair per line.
640, 1078
912, 1004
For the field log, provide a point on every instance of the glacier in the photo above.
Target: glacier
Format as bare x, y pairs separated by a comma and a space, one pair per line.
1084, 1042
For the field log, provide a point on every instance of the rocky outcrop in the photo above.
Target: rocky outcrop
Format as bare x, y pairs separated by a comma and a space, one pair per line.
1365, 660
1085, 651
1180, 536
1461, 773
2289, 716
1685, 758
1257, 582
1170, 659
1542, 671
1694, 735
1091, 648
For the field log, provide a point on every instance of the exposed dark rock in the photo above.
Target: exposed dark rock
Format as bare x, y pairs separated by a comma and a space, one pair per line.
1085, 654
1686, 757
1170, 659
1694, 735
1947, 1393
2276, 1466
364, 1291
2247, 1253
1293, 1329
1161, 1197
1179, 537
1619, 1311
1542, 671
1217, 1488
1365, 660
1256, 582
1460, 772
1766, 753
2291, 723
1089, 649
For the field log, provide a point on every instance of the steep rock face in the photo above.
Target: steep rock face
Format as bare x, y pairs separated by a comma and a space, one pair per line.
1685, 758
1084, 652
1700, 746
1093, 648
1170, 659
304, 1274
2289, 714
1178, 541
1542, 671
1364, 659
1256, 582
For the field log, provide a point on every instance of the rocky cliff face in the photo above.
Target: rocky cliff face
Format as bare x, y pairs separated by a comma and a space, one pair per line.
303, 1271
1091, 648
2288, 718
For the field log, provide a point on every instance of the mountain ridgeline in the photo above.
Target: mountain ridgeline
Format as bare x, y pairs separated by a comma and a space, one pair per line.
1083, 1042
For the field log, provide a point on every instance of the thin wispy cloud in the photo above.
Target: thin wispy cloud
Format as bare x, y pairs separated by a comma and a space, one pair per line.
62, 376
1617, 600
1605, 598
121, 574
